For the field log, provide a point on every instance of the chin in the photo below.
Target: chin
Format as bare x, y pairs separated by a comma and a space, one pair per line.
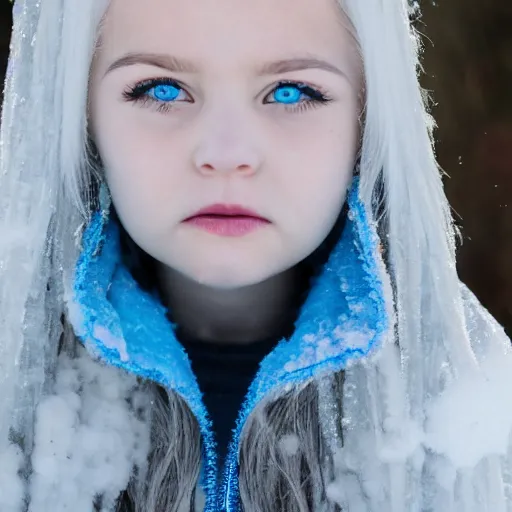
229, 278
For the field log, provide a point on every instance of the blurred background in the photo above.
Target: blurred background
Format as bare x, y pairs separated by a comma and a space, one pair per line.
468, 69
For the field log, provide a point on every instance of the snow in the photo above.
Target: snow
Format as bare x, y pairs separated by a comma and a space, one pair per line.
111, 341
11, 486
96, 443
99, 332
473, 418
458, 459
289, 444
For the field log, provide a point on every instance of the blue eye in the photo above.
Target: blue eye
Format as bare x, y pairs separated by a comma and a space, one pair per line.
297, 97
287, 94
164, 92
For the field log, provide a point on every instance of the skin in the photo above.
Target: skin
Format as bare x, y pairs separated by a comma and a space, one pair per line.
227, 139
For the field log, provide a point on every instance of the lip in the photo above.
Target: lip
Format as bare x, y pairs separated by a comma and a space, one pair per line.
227, 220
228, 210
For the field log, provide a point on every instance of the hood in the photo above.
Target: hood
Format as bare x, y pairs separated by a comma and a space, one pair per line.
346, 317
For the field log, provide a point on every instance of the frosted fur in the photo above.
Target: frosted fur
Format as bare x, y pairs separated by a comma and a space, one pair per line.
395, 455
348, 292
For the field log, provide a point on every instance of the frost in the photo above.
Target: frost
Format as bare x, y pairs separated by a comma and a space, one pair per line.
347, 491
77, 319
456, 455
75, 316
111, 341
88, 438
354, 339
325, 348
316, 349
473, 418
400, 441
289, 444
11, 486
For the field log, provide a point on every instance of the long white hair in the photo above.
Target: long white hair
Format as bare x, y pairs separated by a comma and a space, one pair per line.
396, 451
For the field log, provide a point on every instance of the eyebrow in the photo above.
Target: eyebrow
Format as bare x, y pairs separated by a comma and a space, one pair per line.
178, 65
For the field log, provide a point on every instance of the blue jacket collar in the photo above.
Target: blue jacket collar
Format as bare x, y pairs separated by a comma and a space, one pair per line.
345, 317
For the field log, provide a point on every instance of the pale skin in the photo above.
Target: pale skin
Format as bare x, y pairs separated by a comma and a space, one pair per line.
227, 138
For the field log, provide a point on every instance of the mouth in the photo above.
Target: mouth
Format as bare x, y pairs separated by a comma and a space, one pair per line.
226, 210
227, 220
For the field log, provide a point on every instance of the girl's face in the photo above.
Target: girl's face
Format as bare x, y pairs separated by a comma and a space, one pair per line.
250, 103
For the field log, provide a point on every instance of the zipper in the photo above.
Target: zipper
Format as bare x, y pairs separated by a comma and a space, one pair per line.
229, 490
224, 499
229, 496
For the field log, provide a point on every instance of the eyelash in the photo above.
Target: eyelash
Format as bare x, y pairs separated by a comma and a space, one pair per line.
138, 94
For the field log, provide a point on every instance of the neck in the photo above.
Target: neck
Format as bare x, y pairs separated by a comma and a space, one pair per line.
243, 315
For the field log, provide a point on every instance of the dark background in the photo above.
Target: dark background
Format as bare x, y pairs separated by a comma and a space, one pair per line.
468, 64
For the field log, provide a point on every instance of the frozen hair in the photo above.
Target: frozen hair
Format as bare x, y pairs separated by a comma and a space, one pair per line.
45, 180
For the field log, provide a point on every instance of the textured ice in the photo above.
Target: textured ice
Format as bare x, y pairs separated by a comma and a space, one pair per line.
11, 486
457, 459
473, 417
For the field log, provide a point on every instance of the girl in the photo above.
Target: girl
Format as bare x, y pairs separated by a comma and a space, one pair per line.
227, 268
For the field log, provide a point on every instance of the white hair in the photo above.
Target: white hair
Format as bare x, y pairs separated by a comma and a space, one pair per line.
45, 179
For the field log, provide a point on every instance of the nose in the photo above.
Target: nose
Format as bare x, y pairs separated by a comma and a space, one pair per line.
227, 150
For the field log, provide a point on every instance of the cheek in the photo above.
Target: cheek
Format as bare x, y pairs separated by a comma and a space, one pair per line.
318, 176
137, 160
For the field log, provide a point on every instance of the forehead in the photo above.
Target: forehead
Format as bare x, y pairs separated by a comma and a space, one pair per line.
209, 31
